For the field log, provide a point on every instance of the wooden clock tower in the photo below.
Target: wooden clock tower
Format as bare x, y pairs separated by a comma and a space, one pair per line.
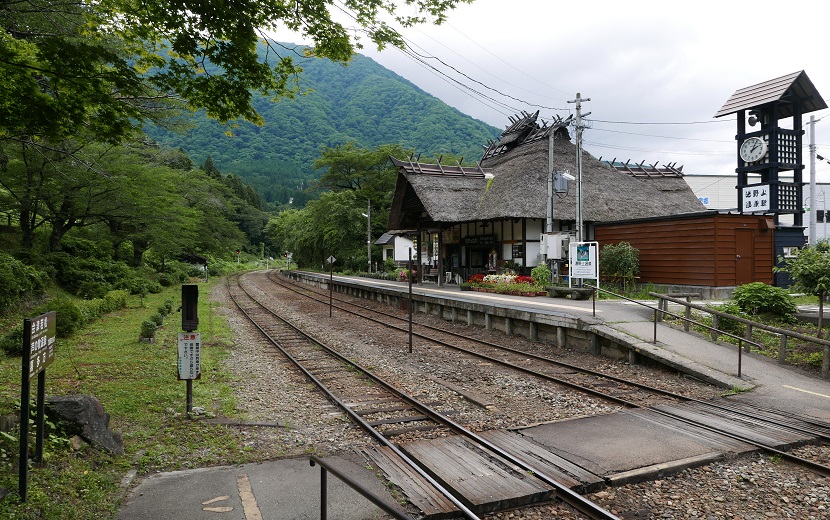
766, 149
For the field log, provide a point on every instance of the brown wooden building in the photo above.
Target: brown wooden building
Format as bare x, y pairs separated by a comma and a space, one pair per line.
708, 249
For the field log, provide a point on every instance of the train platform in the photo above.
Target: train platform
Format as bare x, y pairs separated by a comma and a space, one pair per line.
629, 446
763, 381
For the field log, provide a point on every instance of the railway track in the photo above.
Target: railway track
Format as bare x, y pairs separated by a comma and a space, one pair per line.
379, 408
625, 393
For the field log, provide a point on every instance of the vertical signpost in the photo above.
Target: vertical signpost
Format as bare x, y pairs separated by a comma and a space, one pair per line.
190, 341
331, 280
38, 353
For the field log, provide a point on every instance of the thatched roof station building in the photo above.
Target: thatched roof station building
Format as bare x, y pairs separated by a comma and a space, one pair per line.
474, 219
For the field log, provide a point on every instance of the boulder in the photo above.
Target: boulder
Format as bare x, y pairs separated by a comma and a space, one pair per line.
84, 415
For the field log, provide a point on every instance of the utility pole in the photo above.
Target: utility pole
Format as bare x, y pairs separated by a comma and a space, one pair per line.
813, 201
579, 196
368, 216
549, 221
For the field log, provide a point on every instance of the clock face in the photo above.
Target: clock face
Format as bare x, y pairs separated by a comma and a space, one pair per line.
753, 149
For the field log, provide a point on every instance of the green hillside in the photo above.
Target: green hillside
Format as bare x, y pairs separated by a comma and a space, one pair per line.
361, 102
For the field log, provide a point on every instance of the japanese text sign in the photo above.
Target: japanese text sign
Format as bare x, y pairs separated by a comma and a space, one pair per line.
190, 355
41, 337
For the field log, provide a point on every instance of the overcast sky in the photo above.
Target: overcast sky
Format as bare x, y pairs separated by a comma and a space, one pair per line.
639, 62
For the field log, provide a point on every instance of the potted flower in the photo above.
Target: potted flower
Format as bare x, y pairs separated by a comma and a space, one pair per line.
465, 286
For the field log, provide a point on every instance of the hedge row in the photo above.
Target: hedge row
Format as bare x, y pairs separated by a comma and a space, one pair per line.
71, 316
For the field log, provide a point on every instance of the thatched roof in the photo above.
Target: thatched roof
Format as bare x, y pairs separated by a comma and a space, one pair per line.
518, 188
443, 194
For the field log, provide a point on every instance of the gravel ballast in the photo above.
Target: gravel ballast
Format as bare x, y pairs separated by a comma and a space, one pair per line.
268, 389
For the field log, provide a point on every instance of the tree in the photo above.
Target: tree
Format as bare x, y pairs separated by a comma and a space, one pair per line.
621, 262
104, 67
810, 271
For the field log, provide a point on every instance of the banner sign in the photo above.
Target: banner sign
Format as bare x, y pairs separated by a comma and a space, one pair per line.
584, 260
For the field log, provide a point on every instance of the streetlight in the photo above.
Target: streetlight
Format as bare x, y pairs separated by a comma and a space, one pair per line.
368, 216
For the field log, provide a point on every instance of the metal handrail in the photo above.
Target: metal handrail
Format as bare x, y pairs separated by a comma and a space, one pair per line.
325, 468
657, 310
784, 333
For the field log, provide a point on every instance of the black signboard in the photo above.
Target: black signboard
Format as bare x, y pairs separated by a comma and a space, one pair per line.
38, 353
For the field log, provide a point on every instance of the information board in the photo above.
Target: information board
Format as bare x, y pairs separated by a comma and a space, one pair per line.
190, 355
584, 260
41, 346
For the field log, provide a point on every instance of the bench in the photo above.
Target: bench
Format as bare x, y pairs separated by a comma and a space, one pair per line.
430, 277
576, 293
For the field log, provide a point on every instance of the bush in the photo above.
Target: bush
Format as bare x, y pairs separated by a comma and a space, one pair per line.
115, 300
157, 319
731, 326
18, 281
541, 273
12, 342
90, 277
148, 329
620, 262
69, 316
390, 265
759, 298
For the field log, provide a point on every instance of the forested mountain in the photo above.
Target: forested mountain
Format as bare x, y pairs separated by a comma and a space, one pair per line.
362, 102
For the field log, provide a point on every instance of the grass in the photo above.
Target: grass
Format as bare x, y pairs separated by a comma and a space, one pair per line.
136, 383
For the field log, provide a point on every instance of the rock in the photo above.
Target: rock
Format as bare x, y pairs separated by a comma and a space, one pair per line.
76, 443
84, 416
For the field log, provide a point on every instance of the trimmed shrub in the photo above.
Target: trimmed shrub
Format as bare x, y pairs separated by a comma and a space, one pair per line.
69, 316
157, 319
115, 300
148, 329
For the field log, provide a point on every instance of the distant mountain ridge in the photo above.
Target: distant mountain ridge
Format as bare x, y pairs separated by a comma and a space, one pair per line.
362, 102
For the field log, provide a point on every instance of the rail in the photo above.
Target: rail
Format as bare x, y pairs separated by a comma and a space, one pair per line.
752, 325
326, 468
658, 312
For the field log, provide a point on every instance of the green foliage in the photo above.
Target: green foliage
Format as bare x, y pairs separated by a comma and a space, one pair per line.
390, 265
12, 342
69, 316
158, 319
18, 282
148, 329
726, 324
363, 103
760, 298
620, 262
91, 277
810, 269
542, 274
